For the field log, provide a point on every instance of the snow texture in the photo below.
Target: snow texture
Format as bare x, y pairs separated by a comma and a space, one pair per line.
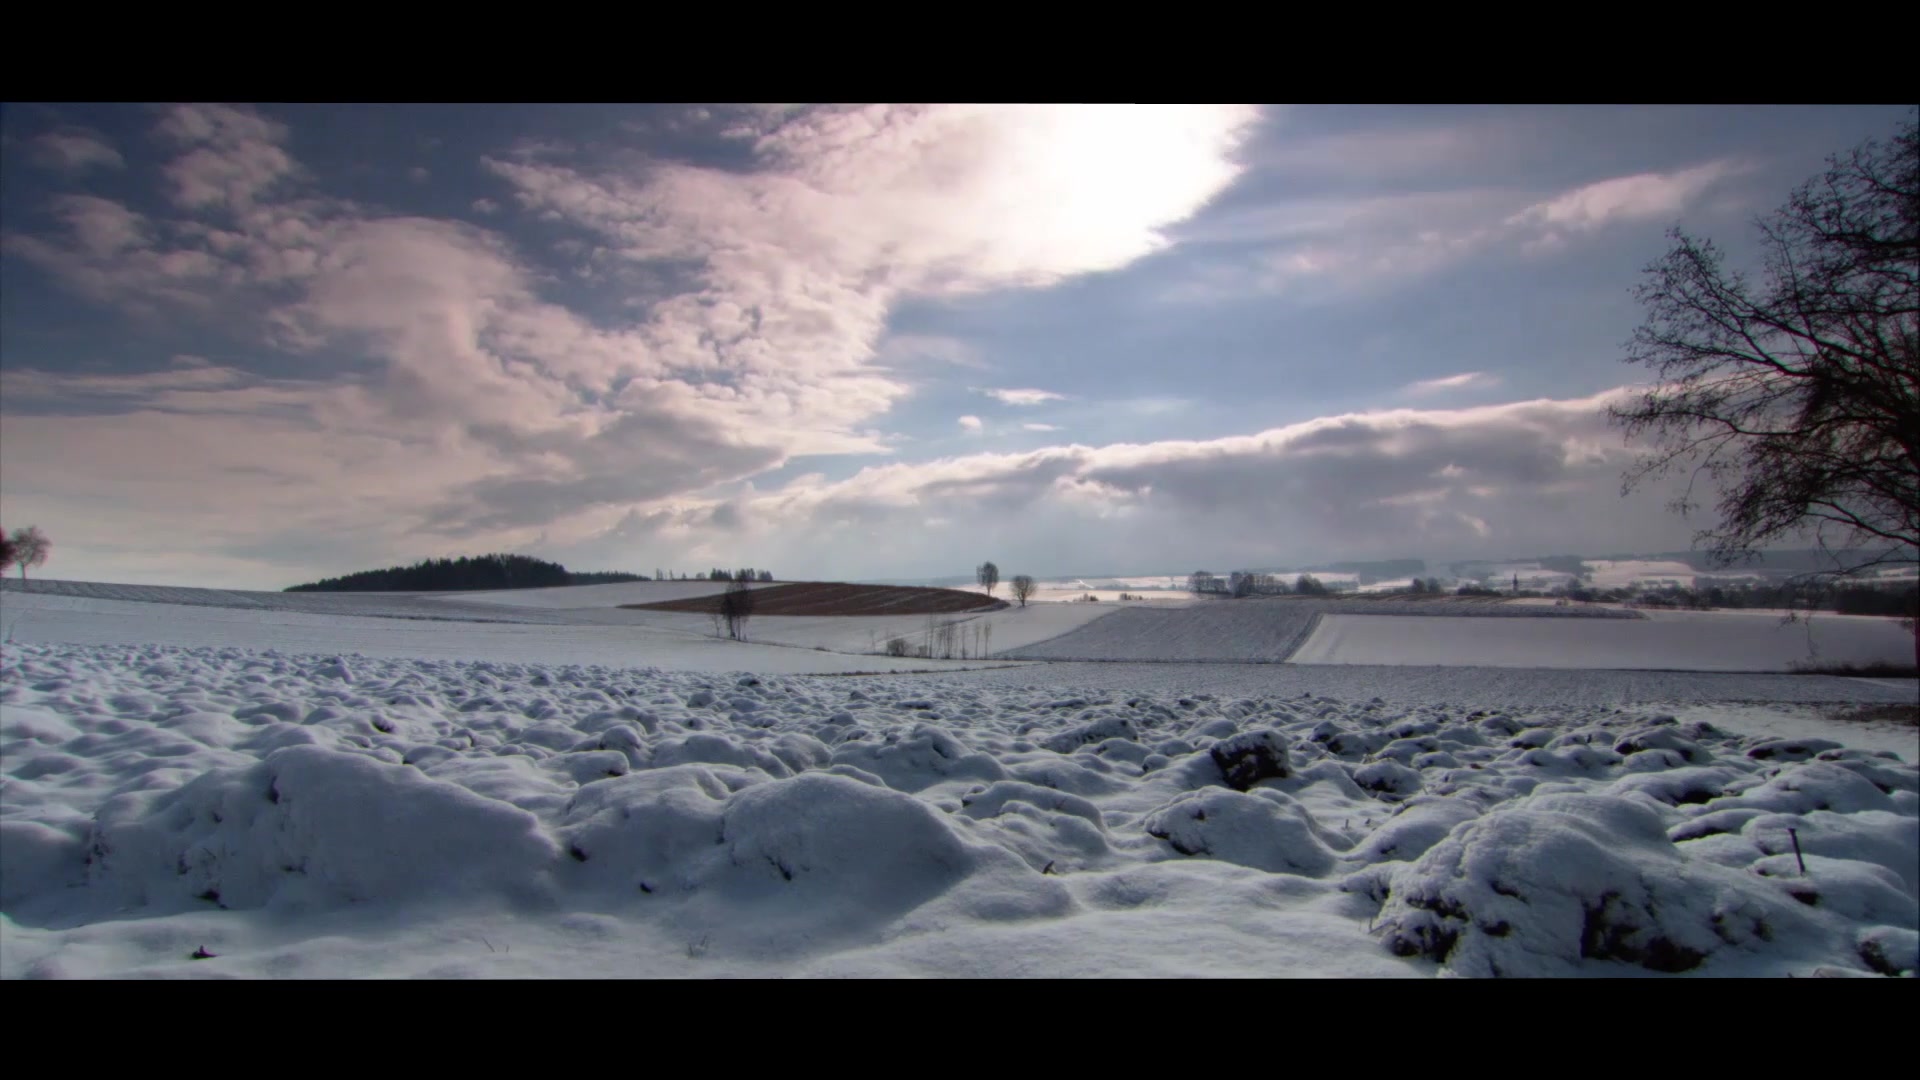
283, 814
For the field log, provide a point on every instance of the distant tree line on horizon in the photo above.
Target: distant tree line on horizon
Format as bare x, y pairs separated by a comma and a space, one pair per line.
1241, 583
474, 573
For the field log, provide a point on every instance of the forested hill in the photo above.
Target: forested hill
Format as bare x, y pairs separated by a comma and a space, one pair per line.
481, 572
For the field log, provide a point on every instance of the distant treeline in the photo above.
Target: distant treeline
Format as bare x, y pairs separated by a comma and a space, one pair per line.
464, 573
1898, 599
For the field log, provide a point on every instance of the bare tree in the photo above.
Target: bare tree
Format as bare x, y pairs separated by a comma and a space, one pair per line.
988, 576
736, 607
1023, 587
6, 551
1797, 395
30, 548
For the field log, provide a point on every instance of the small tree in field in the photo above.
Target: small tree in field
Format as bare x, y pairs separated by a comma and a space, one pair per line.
1799, 393
988, 576
736, 607
30, 548
1023, 587
6, 551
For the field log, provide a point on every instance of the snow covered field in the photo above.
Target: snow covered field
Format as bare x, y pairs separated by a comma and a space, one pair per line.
1004, 630
1245, 632
1505, 688
304, 793
164, 802
628, 639
1665, 640
1263, 631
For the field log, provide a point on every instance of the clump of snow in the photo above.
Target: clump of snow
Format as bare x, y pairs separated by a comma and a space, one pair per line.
1538, 888
1267, 830
310, 826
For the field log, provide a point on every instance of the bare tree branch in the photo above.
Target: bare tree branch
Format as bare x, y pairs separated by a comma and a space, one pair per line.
1796, 393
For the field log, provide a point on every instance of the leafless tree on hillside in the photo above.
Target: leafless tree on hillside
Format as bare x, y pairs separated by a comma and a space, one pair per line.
736, 607
30, 548
1023, 586
989, 576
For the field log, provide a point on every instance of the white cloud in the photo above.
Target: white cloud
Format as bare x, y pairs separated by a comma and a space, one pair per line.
1038, 427
1024, 397
485, 206
233, 155
1641, 197
75, 150
1462, 381
1320, 244
971, 423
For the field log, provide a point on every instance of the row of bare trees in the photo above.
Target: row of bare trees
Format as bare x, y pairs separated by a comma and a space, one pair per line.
1242, 583
946, 638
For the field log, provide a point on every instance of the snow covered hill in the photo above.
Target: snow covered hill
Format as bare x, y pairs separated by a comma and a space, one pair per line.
1664, 640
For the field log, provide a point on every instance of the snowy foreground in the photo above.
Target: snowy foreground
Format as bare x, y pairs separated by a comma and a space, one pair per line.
309, 815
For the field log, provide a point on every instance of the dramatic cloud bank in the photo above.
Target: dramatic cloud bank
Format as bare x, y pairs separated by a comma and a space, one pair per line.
1518, 477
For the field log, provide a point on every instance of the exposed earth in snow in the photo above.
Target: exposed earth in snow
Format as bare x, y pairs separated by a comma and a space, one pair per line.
256, 790
842, 599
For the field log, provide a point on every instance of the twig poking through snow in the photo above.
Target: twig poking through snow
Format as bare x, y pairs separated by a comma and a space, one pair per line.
1794, 834
201, 953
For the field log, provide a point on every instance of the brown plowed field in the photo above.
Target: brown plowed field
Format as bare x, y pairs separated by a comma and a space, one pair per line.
835, 598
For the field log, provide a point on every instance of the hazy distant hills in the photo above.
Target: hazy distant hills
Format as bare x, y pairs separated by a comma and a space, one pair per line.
1782, 562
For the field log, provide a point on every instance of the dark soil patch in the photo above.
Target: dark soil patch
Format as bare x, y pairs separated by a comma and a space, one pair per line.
1889, 713
836, 598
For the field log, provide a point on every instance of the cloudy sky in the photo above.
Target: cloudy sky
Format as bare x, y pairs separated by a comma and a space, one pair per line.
247, 346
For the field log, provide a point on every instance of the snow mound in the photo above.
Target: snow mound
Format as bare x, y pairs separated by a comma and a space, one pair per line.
1267, 830
924, 757
1415, 828
840, 842
1536, 889
313, 826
